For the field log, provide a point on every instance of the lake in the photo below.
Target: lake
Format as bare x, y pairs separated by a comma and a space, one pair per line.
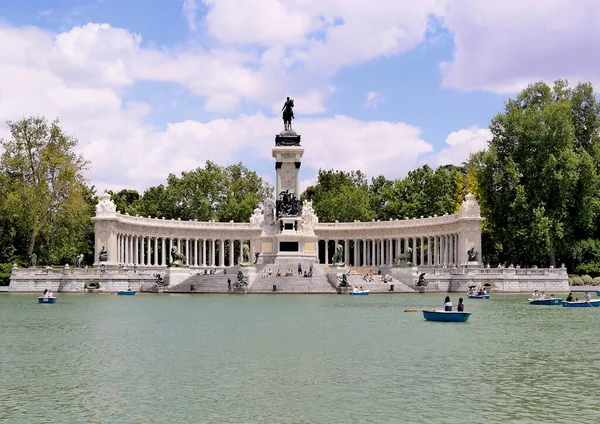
148, 358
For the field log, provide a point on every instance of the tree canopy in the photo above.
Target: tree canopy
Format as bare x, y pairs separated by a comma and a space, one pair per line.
45, 205
538, 183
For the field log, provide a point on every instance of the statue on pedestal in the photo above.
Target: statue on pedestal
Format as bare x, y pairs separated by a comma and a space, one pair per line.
288, 205
103, 256
338, 256
241, 281
179, 259
33, 260
472, 254
288, 114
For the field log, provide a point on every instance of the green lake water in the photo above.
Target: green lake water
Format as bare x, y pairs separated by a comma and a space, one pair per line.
294, 359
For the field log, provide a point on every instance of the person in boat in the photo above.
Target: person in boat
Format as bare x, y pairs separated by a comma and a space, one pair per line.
461, 306
484, 292
543, 295
552, 296
570, 297
447, 304
45, 295
355, 289
587, 297
480, 292
535, 295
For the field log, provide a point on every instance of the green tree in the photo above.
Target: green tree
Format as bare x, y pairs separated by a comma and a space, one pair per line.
210, 193
538, 183
126, 201
43, 190
341, 196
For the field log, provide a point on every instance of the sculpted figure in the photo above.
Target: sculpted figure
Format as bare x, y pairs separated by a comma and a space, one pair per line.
472, 254
288, 114
178, 258
338, 257
33, 260
103, 256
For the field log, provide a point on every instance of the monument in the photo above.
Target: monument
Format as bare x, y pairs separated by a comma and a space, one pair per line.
288, 232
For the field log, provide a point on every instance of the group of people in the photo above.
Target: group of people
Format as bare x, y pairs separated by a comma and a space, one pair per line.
289, 272
357, 289
536, 295
448, 305
48, 294
473, 291
586, 297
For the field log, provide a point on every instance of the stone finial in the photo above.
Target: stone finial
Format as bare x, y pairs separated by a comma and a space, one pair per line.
469, 208
105, 207
15, 266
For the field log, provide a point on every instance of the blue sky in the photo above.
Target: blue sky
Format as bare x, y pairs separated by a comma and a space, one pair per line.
156, 87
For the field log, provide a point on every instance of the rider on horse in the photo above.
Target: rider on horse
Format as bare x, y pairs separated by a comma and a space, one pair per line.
288, 114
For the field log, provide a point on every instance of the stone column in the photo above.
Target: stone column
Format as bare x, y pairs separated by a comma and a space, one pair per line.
364, 252
326, 252
222, 253
347, 252
213, 244
163, 254
232, 252
422, 250
356, 253
203, 252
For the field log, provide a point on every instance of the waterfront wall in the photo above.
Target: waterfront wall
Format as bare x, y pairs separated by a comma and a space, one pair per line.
509, 280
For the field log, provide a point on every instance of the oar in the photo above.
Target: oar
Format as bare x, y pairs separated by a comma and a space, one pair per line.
415, 310
521, 303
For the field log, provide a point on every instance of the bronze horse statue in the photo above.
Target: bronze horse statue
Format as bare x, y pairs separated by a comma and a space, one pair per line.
288, 114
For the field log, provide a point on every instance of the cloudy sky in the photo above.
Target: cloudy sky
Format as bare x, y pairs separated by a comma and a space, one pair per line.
158, 86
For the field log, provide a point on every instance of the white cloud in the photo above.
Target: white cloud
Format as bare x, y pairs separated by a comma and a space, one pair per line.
461, 144
189, 11
503, 46
372, 99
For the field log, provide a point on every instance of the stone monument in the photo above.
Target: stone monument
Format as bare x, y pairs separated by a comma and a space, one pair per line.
288, 232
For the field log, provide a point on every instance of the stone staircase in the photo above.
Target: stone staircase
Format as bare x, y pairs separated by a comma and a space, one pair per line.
207, 283
291, 284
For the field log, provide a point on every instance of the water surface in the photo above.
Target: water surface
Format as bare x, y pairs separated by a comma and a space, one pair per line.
293, 359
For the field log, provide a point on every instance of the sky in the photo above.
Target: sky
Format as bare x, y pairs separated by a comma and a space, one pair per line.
161, 86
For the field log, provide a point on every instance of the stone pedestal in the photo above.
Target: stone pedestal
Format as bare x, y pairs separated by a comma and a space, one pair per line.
175, 275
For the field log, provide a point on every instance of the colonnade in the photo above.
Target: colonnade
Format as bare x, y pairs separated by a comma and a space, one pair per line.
439, 250
134, 250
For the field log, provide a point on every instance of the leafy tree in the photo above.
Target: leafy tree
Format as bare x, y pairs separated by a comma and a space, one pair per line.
210, 193
43, 190
538, 183
341, 196
126, 201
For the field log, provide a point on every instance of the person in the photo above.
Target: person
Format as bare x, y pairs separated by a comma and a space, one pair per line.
552, 296
299, 269
305, 274
229, 284
543, 296
570, 297
535, 295
447, 304
480, 292
485, 292
310, 267
50, 294
45, 296
355, 289
587, 297
461, 305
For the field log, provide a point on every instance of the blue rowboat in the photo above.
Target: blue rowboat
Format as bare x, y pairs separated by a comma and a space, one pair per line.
594, 303
446, 316
556, 301
360, 293
479, 296
126, 292
46, 300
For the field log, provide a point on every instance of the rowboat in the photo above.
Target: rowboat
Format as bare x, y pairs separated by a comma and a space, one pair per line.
594, 303
126, 292
479, 296
360, 293
42, 299
556, 301
446, 316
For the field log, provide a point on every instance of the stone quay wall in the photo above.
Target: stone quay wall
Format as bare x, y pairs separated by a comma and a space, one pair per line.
440, 280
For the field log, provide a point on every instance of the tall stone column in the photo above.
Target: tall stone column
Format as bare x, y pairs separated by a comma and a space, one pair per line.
326, 251
422, 250
222, 253
203, 252
232, 252
356, 253
346, 252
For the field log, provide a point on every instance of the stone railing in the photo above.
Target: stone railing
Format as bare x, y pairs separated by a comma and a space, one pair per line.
496, 271
397, 223
178, 223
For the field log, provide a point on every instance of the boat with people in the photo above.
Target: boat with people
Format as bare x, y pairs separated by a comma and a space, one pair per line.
547, 301
357, 292
43, 299
478, 296
592, 303
47, 297
475, 293
126, 292
446, 316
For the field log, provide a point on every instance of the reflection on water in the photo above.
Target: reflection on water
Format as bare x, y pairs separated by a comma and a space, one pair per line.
293, 359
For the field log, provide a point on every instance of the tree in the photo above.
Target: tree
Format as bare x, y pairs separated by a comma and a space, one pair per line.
43, 189
126, 201
538, 183
341, 196
210, 193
